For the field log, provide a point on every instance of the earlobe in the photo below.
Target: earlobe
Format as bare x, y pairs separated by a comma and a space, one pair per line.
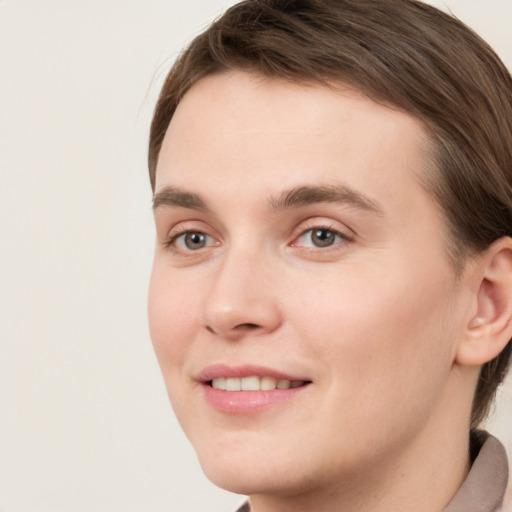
490, 328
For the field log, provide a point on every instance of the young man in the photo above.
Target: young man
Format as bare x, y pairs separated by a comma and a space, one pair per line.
331, 297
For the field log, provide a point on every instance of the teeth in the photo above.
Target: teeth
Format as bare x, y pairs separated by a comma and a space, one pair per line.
250, 384
219, 383
268, 384
233, 385
254, 383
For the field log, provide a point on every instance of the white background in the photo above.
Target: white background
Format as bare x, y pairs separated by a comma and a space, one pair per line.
84, 420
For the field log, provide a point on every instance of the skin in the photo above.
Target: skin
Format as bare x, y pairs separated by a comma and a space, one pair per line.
374, 321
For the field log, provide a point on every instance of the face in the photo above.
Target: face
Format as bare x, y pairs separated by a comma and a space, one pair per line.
302, 306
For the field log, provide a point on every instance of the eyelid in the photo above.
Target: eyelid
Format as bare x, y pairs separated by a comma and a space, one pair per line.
180, 245
184, 226
322, 223
189, 226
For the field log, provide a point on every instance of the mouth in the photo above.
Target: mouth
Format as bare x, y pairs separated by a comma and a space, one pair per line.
249, 389
254, 383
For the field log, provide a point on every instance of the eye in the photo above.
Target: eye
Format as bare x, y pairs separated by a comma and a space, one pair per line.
319, 238
192, 241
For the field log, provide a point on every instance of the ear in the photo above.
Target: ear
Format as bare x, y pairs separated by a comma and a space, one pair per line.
490, 328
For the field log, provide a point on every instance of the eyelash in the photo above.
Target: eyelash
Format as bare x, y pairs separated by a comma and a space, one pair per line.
172, 241
342, 237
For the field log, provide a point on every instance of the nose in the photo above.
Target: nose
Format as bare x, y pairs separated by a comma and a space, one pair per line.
242, 299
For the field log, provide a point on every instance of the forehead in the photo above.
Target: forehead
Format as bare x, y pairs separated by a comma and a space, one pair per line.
269, 135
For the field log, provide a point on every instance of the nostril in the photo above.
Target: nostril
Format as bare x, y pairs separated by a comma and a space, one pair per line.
235, 332
239, 327
247, 327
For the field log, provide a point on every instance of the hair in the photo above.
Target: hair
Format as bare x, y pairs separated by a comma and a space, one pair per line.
407, 55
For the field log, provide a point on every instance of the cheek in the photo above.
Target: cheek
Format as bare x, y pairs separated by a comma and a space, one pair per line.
380, 334
172, 319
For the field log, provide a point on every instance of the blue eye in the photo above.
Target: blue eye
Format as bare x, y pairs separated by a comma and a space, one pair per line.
193, 240
320, 238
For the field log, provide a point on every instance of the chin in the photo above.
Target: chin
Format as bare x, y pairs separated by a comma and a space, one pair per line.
250, 480
248, 469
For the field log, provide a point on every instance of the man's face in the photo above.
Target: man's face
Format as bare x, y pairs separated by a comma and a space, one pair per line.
295, 244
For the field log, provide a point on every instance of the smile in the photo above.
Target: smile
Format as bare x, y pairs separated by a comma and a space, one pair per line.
254, 383
249, 389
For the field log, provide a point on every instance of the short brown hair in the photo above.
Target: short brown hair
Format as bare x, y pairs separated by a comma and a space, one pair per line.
401, 52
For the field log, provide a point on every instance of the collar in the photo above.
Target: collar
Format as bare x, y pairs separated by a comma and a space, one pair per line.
486, 483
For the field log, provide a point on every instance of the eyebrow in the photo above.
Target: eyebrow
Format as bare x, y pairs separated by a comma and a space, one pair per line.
176, 198
337, 194
289, 199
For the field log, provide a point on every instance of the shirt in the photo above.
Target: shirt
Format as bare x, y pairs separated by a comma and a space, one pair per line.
484, 488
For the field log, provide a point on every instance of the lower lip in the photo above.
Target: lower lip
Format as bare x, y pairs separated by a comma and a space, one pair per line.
248, 402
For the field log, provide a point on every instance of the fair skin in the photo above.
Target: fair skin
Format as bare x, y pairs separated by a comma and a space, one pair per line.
296, 243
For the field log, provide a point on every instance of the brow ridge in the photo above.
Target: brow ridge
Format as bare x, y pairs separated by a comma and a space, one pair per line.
296, 197
177, 198
311, 194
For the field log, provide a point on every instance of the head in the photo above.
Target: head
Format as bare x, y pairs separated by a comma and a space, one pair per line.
403, 54
333, 200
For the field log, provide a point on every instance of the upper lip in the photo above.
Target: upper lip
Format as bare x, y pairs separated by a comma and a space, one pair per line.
239, 371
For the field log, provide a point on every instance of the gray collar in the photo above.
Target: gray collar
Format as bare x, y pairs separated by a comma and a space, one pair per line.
485, 486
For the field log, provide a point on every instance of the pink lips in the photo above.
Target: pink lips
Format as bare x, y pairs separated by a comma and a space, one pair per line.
246, 402
223, 370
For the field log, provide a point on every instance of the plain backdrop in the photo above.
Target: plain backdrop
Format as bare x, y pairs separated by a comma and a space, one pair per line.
85, 423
